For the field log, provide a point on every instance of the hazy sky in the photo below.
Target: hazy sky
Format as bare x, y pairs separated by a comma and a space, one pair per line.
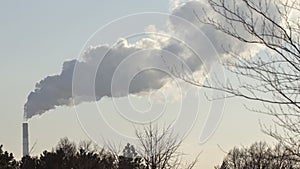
36, 37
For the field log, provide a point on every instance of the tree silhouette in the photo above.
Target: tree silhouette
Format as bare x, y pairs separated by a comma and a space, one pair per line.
270, 77
30, 162
257, 156
68, 147
158, 148
65, 156
7, 160
90, 158
54, 160
130, 159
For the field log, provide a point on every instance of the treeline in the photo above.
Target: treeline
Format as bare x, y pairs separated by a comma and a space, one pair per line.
261, 156
66, 155
156, 148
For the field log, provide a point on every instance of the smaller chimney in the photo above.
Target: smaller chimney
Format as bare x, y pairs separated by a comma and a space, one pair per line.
25, 139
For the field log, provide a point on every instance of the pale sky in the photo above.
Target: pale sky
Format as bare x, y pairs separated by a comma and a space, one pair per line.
36, 37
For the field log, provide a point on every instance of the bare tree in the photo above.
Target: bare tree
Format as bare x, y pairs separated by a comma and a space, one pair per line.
271, 77
159, 148
67, 146
258, 155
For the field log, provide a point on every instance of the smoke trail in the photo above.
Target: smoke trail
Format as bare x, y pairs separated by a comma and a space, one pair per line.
95, 72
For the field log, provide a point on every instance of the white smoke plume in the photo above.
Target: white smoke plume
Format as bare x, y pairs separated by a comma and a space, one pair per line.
108, 71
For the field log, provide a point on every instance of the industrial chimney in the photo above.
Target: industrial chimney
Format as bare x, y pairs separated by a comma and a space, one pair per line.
25, 139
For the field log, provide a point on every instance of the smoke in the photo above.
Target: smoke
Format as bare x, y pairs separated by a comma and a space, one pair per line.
173, 4
131, 68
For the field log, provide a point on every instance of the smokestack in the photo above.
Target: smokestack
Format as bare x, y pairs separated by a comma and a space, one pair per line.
25, 139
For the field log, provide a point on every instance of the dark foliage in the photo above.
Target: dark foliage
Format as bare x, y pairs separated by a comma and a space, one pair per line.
67, 156
258, 156
7, 160
157, 150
